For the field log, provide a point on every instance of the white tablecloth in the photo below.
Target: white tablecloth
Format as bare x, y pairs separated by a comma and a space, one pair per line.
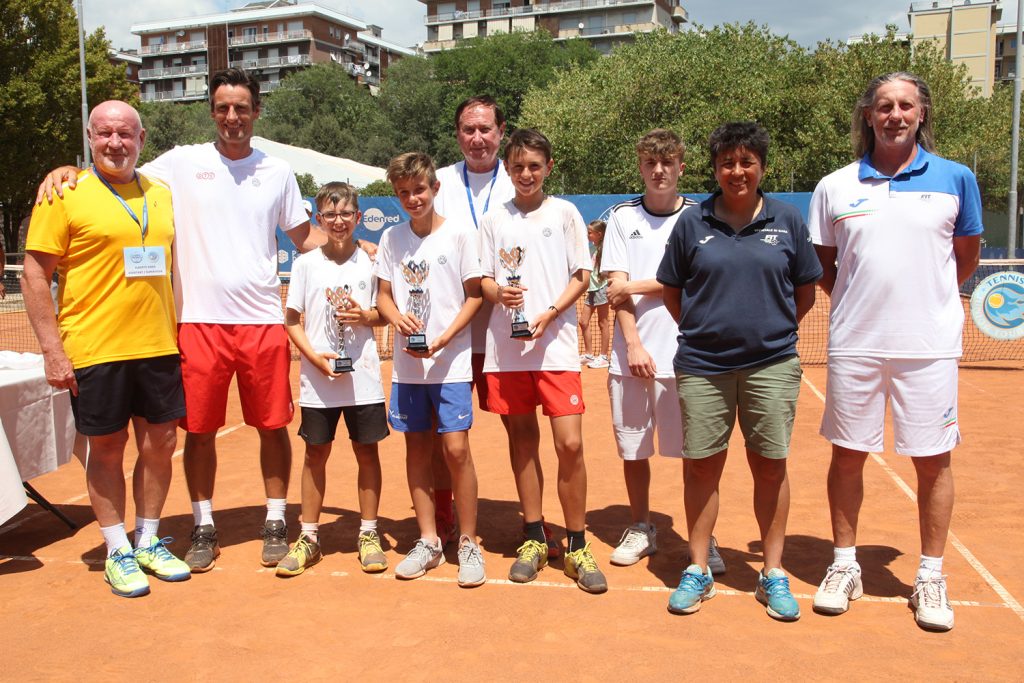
37, 435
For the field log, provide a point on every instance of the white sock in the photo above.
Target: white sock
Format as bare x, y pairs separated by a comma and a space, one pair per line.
367, 525
847, 556
276, 508
311, 529
202, 512
929, 567
145, 530
115, 537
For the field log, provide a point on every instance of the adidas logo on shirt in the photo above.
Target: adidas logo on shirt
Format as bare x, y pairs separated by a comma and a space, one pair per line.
636, 235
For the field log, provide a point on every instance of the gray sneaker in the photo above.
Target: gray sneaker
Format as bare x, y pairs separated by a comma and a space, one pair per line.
275, 542
420, 559
471, 563
715, 562
202, 554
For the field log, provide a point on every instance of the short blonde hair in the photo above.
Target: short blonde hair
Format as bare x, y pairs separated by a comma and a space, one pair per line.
661, 144
412, 165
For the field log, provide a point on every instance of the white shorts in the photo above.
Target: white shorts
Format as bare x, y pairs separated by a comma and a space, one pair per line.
639, 406
923, 394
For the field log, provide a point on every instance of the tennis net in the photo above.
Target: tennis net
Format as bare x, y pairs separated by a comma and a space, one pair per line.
16, 333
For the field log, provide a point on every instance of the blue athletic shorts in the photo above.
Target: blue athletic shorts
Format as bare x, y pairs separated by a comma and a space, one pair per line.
413, 407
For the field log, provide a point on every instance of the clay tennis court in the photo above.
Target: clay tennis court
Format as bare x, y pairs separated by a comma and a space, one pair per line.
240, 622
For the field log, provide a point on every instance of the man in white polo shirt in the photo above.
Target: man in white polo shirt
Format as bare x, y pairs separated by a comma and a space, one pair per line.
896, 232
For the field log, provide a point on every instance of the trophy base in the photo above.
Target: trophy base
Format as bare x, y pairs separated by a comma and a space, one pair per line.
417, 342
343, 365
521, 330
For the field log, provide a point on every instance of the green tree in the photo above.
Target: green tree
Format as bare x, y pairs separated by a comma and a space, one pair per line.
323, 109
413, 101
169, 123
40, 100
307, 184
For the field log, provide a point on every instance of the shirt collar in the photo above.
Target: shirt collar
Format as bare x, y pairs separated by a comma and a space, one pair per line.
767, 212
867, 171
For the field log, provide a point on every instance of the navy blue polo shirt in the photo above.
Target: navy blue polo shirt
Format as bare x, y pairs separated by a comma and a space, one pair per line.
738, 309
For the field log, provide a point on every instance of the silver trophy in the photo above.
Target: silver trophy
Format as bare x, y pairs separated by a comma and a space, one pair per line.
512, 260
414, 275
339, 298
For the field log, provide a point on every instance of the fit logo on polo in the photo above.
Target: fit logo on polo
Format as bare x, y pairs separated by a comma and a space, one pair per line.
771, 240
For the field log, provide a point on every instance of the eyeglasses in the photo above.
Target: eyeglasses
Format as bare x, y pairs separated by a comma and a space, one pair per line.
332, 216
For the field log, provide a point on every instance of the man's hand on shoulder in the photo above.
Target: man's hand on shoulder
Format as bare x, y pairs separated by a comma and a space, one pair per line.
54, 181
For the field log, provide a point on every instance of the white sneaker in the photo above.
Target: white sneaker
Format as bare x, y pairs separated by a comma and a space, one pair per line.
715, 562
635, 544
422, 557
471, 563
585, 358
598, 362
930, 604
840, 585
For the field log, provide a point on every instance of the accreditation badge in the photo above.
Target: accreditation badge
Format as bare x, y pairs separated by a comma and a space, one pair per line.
144, 262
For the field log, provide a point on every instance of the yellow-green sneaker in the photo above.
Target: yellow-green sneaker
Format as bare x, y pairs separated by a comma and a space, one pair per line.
581, 566
371, 554
124, 576
160, 562
531, 557
304, 554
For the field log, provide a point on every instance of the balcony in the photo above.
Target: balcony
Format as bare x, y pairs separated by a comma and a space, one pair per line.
272, 62
356, 46
173, 71
265, 38
269, 86
173, 48
536, 8
607, 31
174, 96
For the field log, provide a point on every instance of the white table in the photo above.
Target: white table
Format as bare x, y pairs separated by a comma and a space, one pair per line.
37, 433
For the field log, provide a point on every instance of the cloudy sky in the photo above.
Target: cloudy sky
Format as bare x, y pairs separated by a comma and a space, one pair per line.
403, 19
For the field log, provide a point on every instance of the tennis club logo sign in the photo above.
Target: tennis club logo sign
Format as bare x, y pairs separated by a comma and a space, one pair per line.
997, 305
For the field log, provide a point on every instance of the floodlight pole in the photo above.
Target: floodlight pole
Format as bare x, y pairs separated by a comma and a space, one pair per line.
85, 99
1011, 242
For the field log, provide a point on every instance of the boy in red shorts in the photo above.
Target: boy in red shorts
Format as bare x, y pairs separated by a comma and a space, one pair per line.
535, 266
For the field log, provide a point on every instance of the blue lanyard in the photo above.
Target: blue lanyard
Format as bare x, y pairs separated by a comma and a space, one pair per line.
144, 223
469, 195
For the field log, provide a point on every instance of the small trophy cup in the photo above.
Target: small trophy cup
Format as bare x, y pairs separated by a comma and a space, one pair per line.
512, 260
415, 274
339, 298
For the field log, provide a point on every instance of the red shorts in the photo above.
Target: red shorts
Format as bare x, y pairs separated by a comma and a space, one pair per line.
558, 393
479, 380
211, 353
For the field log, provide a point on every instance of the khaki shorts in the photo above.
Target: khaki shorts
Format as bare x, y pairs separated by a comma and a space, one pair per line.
764, 399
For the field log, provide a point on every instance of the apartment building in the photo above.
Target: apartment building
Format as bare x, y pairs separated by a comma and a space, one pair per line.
605, 23
1006, 52
129, 60
269, 39
965, 31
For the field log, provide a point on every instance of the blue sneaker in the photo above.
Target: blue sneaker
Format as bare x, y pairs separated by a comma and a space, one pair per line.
694, 587
773, 592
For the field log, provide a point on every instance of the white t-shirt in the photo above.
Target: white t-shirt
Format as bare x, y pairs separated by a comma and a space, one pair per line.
225, 217
554, 237
451, 256
896, 293
452, 203
312, 274
634, 243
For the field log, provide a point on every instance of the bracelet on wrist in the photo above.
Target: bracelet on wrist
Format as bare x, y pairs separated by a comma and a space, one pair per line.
553, 308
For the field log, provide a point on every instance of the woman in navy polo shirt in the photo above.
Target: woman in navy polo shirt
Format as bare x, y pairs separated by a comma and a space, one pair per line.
738, 275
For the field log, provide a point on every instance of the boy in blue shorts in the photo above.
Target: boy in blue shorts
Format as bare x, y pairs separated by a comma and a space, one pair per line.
334, 287
429, 274
535, 246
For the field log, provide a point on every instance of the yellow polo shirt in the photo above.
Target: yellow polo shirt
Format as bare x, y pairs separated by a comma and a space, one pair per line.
103, 315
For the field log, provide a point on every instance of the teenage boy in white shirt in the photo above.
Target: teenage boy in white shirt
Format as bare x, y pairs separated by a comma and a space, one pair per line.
428, 270
334, 287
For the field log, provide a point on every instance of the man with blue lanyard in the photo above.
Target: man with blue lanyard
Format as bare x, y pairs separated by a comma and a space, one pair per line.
113, 344
469, 189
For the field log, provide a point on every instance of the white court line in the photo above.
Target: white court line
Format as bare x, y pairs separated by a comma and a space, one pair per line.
567, 584
1007, 598
75, 499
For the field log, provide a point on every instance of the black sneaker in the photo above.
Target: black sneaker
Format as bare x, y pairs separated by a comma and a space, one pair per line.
275, 542
203, 553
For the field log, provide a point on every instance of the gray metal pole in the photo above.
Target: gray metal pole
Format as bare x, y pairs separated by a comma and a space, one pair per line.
1011, 242
85, 99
